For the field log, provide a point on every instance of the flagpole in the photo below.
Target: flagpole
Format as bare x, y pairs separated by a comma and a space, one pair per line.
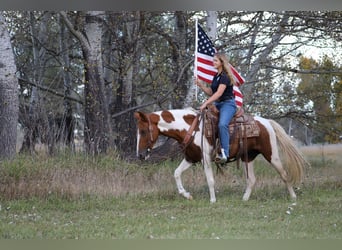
196, 47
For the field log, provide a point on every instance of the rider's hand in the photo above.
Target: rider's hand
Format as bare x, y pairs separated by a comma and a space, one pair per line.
203, 106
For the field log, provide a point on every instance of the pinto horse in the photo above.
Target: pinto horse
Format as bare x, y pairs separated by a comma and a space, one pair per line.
176, 124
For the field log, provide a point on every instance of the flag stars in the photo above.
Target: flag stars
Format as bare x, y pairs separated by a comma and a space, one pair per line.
204, 44
205, 69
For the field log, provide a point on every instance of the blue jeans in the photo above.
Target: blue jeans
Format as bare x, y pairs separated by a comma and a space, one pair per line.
227, 111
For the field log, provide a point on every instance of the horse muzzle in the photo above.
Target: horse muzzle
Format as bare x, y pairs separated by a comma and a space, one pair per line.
145, 155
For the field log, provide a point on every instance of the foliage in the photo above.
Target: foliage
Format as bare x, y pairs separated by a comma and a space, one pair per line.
147, 64
322, 92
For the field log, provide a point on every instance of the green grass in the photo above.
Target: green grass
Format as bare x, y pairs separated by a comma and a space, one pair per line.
317, 215
77, 197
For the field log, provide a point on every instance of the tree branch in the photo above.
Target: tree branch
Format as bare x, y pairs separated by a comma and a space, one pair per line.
159, 100
313, 71
79, 36
54, 92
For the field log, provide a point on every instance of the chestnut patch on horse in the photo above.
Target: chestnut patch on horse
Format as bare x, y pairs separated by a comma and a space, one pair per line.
167, 116
189, 120
193, 153
176, 134
264, 144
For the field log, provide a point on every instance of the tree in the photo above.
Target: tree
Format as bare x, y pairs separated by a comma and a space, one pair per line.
338, 107
36, 122
89, 35
322, 92
123, 54
265, 45
9, 104
67, 121
35, 37
107, 64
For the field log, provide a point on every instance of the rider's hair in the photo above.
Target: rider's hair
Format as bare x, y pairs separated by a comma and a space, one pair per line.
225, 65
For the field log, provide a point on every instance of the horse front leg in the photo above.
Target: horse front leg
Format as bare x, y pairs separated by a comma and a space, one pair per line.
210, 180
250, 179
209, 176
184, 165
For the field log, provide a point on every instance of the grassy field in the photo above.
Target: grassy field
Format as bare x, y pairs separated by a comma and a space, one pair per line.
75, 197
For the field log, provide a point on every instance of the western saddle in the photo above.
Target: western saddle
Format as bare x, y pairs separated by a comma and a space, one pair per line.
241, 127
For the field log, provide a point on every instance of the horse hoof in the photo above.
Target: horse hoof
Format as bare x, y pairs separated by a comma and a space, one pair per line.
212, 201
245, 198
190, 198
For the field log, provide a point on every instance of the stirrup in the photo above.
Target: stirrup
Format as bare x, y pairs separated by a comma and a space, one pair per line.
220, 159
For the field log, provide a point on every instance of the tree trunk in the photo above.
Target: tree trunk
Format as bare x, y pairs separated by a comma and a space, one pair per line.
108, 74
260, 62
178, 56
68, 122
96, 109
127, 78
212, 25
36, 123
96, 129
9, 103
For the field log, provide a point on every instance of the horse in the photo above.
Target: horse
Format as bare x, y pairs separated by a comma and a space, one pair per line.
187, 125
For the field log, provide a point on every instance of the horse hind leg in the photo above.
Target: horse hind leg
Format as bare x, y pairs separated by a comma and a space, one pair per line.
250, 180
276, 163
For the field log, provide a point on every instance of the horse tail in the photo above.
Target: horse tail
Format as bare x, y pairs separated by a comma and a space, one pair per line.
295, 162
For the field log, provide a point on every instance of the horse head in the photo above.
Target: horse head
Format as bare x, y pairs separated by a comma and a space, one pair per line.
147, 133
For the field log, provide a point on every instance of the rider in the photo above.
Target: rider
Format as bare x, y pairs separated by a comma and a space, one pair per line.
221, 94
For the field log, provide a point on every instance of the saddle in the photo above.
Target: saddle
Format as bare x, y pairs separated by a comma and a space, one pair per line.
241, 127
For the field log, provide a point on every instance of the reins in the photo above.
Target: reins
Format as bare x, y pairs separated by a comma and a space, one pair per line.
150, 130
189, 134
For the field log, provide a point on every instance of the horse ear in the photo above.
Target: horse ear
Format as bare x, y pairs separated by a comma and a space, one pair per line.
140, 116
154, 118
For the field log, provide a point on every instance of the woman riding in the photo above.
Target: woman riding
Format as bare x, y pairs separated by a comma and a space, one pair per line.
221, 94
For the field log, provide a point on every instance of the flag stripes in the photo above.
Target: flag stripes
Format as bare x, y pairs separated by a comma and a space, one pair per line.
204, 62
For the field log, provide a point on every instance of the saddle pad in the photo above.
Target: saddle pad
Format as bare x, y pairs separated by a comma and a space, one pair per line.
237, 126
250, 128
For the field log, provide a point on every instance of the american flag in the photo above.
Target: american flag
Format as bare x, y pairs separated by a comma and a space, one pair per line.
205, 69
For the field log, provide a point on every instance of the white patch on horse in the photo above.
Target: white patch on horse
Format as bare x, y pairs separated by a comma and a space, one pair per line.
178, 122
273, 138
138, 140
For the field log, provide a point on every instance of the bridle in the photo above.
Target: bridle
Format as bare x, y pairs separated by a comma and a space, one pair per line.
150, 139
150, 131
